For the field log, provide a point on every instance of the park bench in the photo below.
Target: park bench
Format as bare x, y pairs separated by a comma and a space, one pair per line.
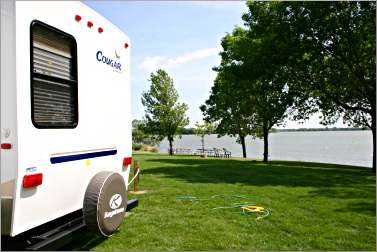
222, 153
227, 153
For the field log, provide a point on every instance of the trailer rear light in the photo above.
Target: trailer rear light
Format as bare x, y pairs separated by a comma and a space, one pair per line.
127, 161
78, 18
32, 180
125, 45
6, 146
100, 30
90, 24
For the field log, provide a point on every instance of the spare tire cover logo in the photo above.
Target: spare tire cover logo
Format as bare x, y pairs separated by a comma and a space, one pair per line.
115, 201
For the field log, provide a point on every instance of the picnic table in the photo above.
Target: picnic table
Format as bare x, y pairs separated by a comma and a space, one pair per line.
215, 152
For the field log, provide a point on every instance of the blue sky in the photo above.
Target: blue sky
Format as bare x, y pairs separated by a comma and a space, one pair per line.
181, 37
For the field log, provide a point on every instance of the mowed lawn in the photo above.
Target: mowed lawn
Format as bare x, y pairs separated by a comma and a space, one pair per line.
313, 207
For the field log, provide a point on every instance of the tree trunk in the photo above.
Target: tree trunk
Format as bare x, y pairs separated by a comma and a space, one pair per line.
374, 141
265, 140
170, 146
203, 143
242, 138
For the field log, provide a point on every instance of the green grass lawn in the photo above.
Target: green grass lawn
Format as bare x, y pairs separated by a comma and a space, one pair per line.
313, 207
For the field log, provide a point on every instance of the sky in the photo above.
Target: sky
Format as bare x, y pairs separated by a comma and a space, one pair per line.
184, 39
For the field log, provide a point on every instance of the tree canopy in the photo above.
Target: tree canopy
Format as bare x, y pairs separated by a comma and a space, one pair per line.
297, 58
253, 79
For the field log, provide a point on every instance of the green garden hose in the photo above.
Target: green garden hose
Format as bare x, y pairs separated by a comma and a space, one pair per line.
247, 207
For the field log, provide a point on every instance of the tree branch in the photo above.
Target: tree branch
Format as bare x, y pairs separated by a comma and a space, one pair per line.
346, 106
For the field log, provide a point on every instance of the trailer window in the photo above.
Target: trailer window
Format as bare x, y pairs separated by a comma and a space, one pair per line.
54, 101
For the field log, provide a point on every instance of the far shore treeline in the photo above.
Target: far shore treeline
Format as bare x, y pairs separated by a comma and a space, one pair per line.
289, 60
191, 131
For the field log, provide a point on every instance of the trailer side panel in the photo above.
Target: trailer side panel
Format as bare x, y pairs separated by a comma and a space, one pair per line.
99, 138
8, 112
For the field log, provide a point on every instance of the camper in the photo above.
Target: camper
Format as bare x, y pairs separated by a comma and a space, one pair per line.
65, 116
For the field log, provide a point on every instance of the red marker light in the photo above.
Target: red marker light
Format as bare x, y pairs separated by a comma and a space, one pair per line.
32, 180
90, 24
125, 45
127, 161
78, 18
100, 30
6, 146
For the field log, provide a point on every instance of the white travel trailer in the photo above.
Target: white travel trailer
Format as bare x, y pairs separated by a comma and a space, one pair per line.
65, 116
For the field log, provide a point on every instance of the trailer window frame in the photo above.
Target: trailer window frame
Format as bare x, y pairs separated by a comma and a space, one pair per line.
73, 83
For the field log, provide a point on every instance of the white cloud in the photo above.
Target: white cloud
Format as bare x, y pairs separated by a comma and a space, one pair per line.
153, 63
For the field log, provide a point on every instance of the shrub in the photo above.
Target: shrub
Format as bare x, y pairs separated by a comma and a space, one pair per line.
144, 147
136, 147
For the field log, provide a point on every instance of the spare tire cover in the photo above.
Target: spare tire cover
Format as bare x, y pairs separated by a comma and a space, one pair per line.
105, 203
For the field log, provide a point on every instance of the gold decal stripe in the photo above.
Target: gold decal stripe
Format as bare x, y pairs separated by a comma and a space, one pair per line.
92, 150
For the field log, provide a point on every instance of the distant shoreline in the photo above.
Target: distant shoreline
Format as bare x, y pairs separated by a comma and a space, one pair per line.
190, 131
350, 147
319, 129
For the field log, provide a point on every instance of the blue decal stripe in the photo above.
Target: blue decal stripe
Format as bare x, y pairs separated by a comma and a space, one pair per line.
62, 159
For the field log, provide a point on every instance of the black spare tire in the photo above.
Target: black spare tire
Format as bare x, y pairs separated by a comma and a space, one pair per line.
105, 203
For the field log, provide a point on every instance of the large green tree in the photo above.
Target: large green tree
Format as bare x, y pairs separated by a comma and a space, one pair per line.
331, 61
164, 115
318, 55
340, 61
259, 76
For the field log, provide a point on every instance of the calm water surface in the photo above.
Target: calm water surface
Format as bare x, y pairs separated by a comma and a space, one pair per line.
339, 147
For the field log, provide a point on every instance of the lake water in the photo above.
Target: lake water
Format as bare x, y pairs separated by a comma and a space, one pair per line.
338, 147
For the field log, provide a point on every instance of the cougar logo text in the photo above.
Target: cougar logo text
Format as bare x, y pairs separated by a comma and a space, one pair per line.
108, 61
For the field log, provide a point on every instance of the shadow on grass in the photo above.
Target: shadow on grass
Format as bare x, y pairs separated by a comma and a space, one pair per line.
257, 173
86, 242
327, 180
367, 208
352, 192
